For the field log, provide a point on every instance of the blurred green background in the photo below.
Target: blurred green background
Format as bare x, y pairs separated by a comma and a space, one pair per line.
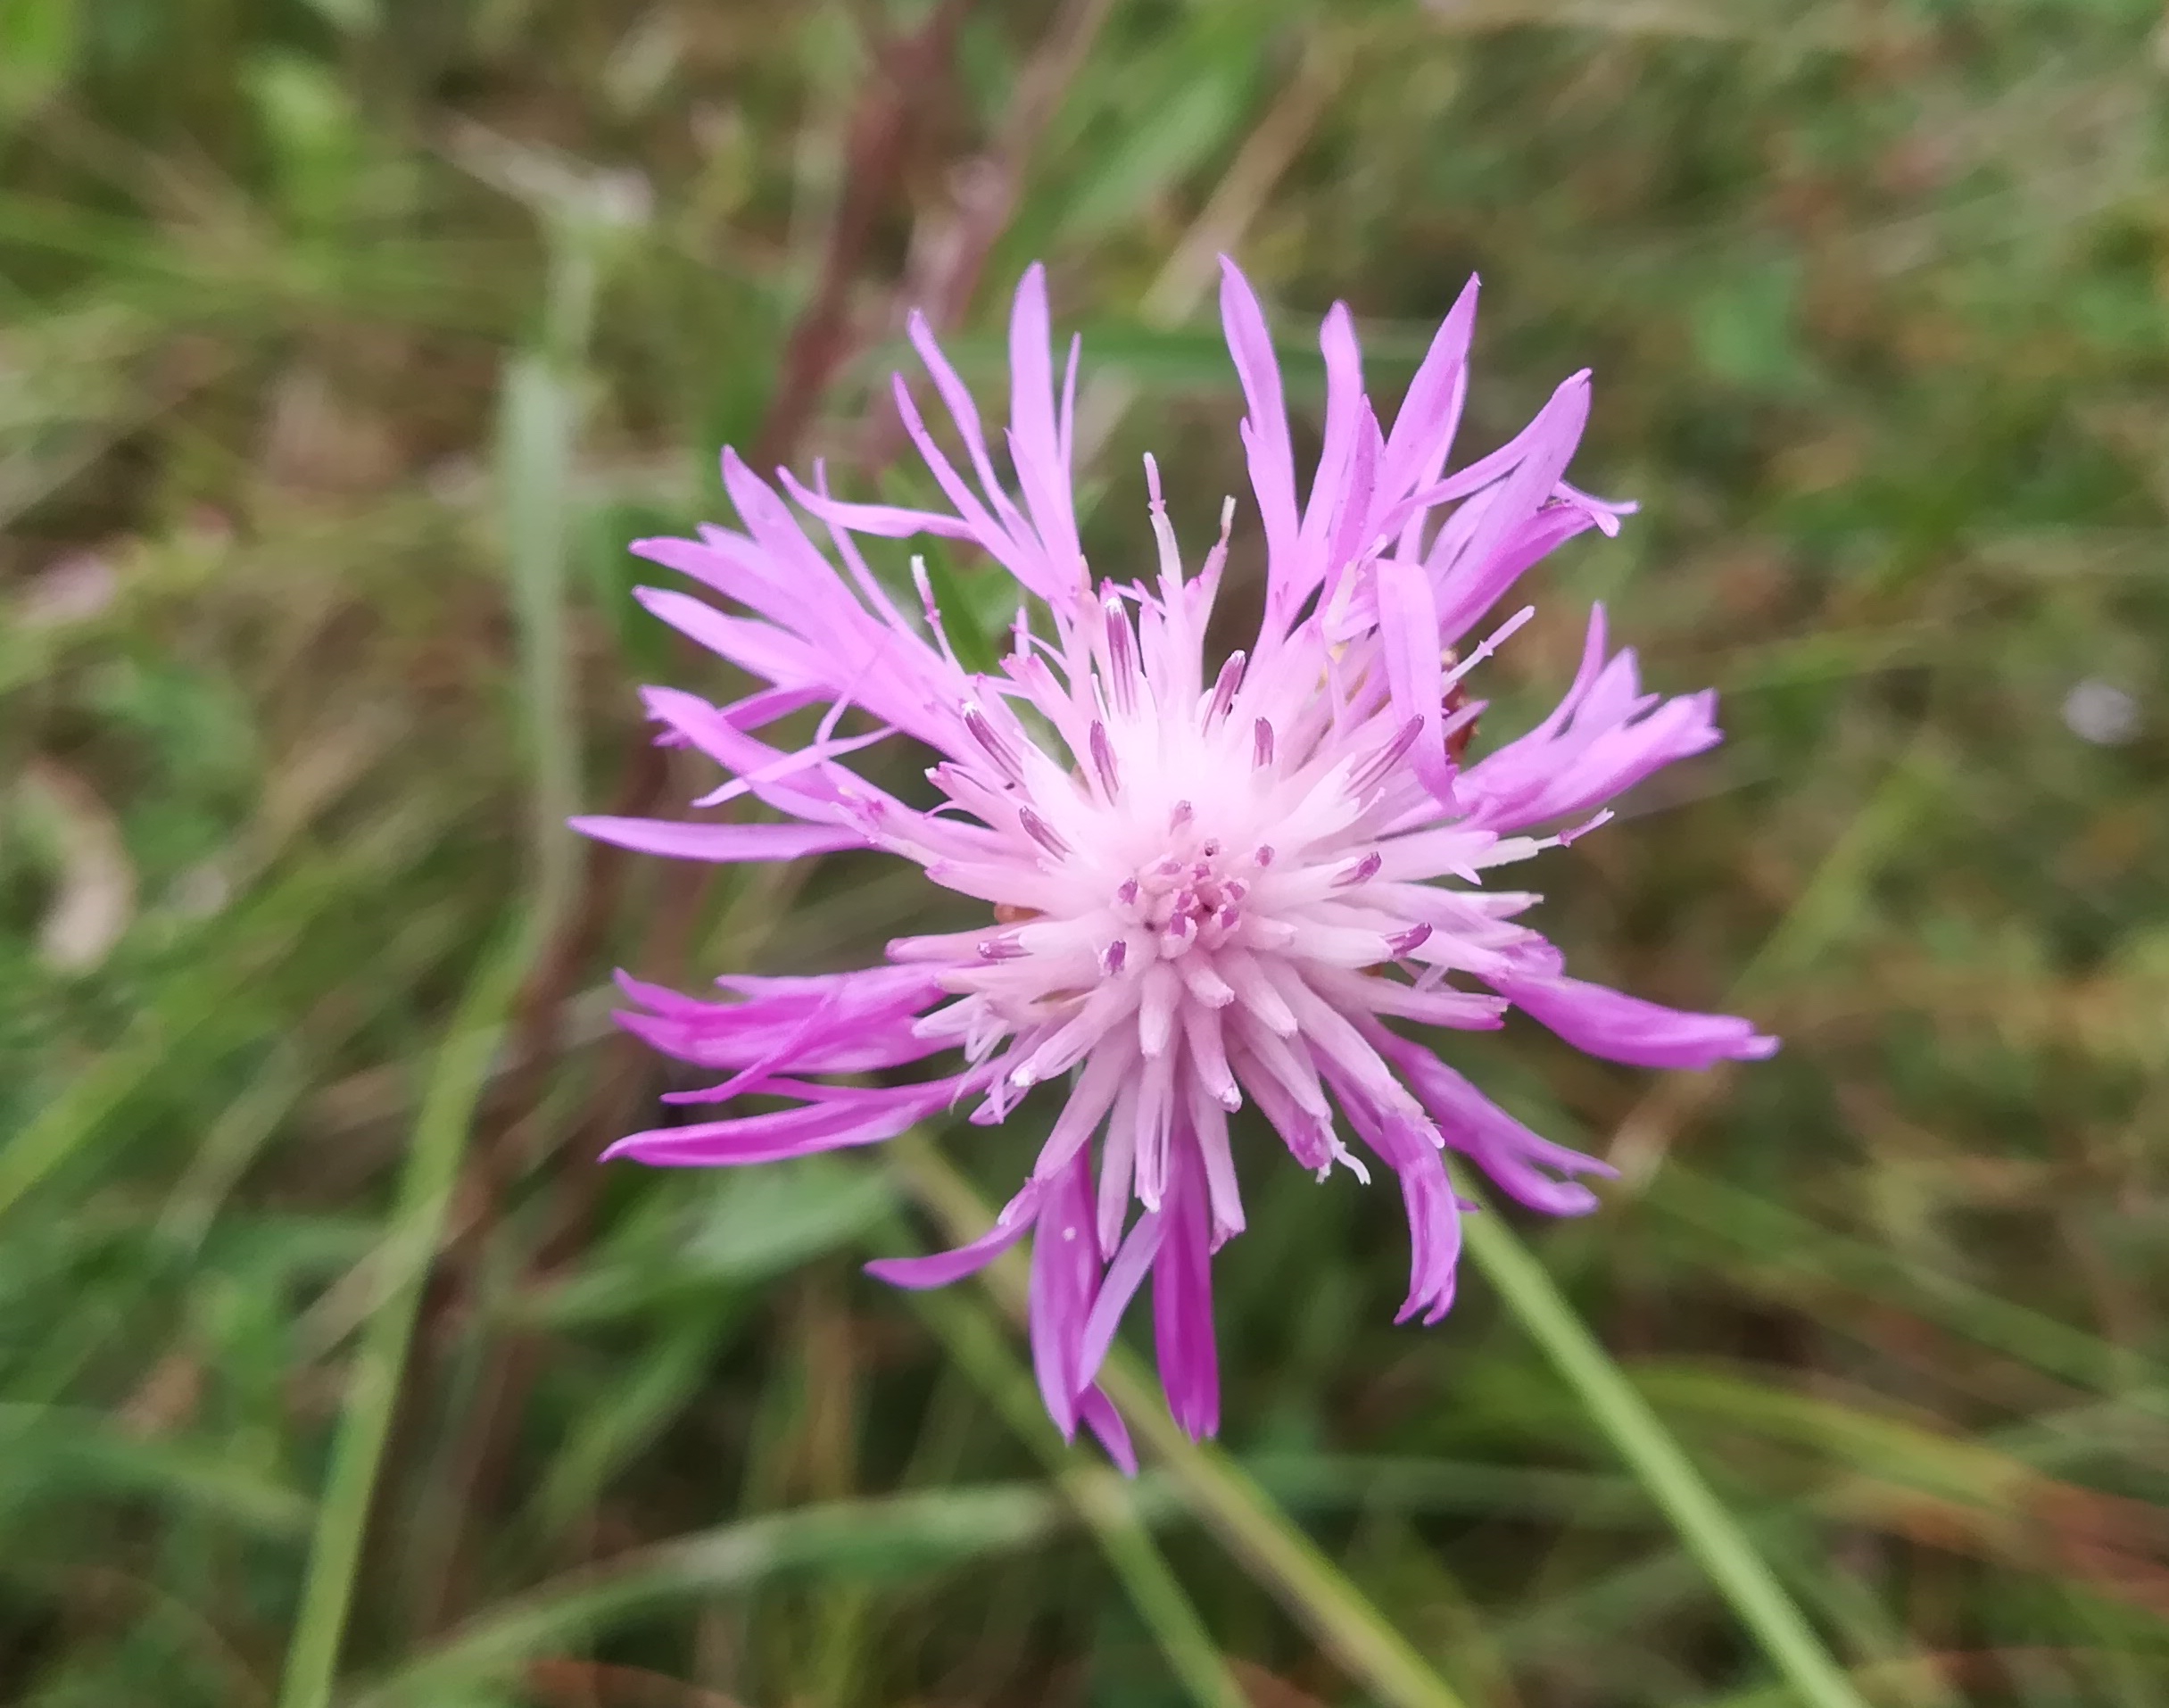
343, 344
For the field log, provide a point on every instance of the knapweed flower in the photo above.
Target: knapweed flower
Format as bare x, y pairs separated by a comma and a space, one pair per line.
1212, 881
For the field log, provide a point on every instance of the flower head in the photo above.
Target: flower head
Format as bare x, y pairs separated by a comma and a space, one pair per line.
1212, 881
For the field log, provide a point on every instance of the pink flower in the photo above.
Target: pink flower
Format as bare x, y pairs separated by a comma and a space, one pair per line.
1211, 881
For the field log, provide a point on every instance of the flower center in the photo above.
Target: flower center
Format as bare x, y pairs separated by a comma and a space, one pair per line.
1192, 896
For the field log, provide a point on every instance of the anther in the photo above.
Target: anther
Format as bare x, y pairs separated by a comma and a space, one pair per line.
1224, 689
1402, 943
1262, 744
998, 749
1121, 655
1103, 758
1386, 758
1042, 832
1361, 872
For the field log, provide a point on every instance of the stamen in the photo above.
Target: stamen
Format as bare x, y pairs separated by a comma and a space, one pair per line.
1361, 872
1404, 942
998, 749
1264, 856
1209, 570
1103, 758
1180, 817
1122, 656
1042, 832
1261, 744
1224, 689
1220, 926
1126, 893
1385, 758
1490, 643
1113, 956
924, 583
1001, 949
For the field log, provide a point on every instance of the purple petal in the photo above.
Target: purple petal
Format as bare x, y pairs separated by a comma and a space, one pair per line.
1481, 585
839, 1023
988, 532
1435, 1237
1182, 1297
846, 1117
719, 843
760, 647
964, 412
884, 521
1623, 1028
1103, 1419
942, 1267
1273, 460
1351, 532
1124, 1276
1035, 443
1330, 483
1430, 412
1618, 757
1408, 635
1554, 434
1511, 1154
1516, 452
1605, 736
1065, 1277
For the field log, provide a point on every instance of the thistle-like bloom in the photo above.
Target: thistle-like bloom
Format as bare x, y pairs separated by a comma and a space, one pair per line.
1213, 881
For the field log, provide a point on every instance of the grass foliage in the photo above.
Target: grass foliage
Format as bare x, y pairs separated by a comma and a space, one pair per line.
343, 344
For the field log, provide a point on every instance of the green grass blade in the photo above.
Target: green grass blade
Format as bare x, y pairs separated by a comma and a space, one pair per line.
538, 426
1109, 1507
884, 1537
1275, 1551
417, 1223
1705, 1527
